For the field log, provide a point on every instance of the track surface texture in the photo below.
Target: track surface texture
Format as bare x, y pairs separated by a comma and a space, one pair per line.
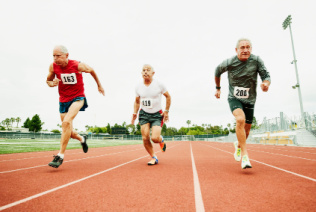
190, 176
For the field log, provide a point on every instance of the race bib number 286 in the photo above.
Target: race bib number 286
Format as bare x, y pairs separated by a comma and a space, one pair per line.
69, 78
241, 93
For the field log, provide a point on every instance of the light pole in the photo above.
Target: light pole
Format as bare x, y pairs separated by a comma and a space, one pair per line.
287, 23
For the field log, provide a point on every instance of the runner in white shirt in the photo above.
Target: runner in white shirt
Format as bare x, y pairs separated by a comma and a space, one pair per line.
148, 97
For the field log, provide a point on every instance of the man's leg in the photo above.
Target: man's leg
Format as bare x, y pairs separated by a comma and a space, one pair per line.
157, 137
67, 120
155, 134
75, 135
145, 130
240, 130
247, 129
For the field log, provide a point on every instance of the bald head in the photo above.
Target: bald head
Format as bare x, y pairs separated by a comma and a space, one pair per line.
62, 49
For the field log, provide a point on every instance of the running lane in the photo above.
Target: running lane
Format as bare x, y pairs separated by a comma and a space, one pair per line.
127, 183
226, 187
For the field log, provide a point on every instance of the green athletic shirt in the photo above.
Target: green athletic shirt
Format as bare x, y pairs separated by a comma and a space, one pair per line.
244, 75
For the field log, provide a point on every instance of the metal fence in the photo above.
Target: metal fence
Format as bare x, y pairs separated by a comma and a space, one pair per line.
285, 123
20, 135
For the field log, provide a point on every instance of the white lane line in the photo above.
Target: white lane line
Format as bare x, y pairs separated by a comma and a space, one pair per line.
3, 172
282, 155
45, 156
9, 171
299, 175
281, 149
199, 205
68, 184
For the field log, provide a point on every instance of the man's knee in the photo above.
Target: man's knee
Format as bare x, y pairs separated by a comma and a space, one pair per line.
66, 124
155, 139
240, 120
146, 138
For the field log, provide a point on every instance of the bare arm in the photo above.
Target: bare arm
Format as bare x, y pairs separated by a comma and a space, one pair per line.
168, 103
218, 84
51, 80
87, 69
136, 108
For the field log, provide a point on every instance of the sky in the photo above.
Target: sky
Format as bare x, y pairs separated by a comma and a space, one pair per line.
183, 40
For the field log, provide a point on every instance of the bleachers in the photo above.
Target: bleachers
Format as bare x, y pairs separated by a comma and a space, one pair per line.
277, 138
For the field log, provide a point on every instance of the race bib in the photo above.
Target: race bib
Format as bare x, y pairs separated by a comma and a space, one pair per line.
69, 78
241, 93
147, 103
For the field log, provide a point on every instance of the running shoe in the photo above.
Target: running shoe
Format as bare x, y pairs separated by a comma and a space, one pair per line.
245, 163
84, 144
153, 161
237, 154
56, 162
163, 146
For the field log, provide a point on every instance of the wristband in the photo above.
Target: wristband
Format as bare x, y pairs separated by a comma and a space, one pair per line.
218, 87
167, 111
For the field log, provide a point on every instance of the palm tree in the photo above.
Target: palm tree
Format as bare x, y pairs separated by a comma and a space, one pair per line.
7, 122
12, 120
18, 120
188, 122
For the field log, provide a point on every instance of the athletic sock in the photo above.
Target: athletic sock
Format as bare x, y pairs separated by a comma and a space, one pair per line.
82, 139
61, 155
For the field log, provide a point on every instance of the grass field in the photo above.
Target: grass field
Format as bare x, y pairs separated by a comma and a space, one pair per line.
8, 146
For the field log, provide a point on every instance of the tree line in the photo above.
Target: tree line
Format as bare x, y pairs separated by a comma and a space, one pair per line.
34, 124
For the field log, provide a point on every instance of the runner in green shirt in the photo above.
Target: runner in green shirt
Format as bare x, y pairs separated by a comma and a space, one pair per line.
243, 70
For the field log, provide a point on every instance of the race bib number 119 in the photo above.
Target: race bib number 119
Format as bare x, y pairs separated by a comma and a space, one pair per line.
69, 78
148, 103
241, 93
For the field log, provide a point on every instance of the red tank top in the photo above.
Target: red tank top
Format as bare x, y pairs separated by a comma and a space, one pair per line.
71, 84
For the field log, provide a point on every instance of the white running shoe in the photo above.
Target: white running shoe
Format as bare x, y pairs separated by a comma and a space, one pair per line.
237, 154
245, 163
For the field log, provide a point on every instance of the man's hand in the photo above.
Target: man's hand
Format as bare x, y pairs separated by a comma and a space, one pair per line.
101, 90
165, 116
134, 118
218, 93
264, 86
53, 83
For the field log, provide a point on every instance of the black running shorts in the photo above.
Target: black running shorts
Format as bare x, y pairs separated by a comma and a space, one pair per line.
247, 108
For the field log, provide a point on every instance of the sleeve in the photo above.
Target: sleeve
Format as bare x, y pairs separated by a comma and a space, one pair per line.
262, 70
136, 92
163, 88
221, 68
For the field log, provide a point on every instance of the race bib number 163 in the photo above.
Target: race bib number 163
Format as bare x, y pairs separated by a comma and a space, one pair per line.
241, 93
69, 78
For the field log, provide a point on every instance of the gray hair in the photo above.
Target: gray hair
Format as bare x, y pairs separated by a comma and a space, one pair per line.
243, 39
62, 48
149, 66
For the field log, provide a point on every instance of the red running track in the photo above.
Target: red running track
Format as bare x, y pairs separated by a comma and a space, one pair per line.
190, 176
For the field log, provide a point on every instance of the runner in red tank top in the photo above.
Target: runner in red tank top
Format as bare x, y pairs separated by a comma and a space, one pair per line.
67, 75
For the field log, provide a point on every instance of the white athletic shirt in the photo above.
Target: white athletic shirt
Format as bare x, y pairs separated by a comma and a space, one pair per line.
150, 96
